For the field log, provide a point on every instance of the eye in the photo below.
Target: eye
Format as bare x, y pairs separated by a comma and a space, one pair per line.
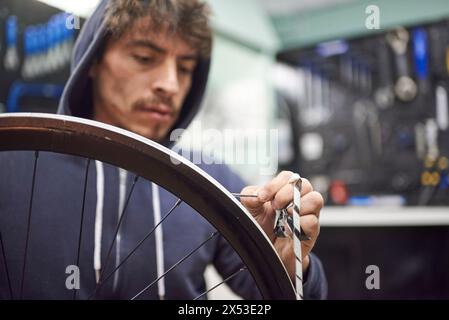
185, 70
143, 59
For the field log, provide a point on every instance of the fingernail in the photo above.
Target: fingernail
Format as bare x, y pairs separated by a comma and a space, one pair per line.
263, 195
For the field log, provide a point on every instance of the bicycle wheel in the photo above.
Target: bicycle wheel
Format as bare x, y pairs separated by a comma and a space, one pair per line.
147, 159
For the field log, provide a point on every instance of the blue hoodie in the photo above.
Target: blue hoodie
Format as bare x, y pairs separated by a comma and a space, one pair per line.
56, 216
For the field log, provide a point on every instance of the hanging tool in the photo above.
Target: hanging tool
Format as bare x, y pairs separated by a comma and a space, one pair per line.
421, 55
405, 87
384, 95
442, 110
11, 62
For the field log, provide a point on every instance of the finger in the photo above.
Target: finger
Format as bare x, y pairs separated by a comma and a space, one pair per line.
285, 195
250, 202
285, 246
311, 226
269, 190
306, 187
311, 203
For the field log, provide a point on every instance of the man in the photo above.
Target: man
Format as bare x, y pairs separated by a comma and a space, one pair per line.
142, 66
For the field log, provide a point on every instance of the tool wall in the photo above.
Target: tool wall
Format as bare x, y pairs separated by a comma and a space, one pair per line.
370, 121
36, 42
369, 126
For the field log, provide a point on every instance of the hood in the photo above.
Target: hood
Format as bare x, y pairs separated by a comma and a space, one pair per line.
76, 99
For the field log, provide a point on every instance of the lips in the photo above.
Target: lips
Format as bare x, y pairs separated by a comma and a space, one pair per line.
162, 109
156, 112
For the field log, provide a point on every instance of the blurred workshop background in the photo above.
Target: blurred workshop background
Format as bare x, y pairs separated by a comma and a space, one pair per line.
358, 91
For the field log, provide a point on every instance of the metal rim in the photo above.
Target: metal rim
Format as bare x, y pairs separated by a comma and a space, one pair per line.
94, 140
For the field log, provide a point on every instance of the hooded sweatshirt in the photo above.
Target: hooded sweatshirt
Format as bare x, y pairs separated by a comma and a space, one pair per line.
53, 261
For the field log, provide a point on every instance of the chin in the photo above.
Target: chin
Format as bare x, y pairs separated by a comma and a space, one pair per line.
155, 133
152, 135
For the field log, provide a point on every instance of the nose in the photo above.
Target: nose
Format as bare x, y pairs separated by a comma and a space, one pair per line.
166, 79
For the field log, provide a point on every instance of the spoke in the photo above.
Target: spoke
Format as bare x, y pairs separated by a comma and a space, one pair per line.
219, 284
80, 236
100, 283
114, 239
6, 266
241, 195
36, 156
174, 266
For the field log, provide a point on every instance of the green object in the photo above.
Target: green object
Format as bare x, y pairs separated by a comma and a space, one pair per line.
348, 20
245, 23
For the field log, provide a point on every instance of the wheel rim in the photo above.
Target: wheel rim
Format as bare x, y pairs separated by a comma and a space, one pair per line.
94, 140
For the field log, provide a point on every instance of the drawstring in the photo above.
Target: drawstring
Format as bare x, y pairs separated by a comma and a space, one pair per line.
159, 242
98, 219
99, 227
121, 205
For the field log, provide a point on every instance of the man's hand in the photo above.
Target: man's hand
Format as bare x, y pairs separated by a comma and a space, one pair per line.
278, 194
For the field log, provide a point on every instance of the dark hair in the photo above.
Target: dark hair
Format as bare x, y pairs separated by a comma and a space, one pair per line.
188, 19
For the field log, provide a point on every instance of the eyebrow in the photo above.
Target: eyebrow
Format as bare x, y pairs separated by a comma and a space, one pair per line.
150, 45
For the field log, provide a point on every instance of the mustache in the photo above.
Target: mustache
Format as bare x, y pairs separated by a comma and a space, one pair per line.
154, 101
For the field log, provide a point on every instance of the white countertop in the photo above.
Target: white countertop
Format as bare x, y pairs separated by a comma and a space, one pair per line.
383, 216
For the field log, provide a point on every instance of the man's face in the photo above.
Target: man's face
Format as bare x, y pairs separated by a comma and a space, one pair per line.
142, 79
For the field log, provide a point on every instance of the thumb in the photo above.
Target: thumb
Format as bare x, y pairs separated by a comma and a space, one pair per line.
254, 205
